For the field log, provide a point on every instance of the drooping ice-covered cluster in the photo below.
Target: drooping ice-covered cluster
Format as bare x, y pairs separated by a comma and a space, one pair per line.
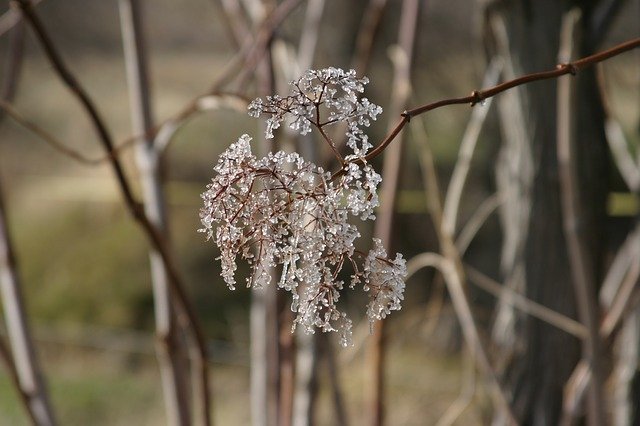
282, 214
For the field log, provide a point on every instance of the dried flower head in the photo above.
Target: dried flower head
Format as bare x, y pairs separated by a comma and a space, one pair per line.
284, 212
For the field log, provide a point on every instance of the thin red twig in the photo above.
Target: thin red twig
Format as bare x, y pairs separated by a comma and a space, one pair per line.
477, 96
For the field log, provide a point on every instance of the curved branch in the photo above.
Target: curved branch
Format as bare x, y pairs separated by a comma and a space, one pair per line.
477, 96
151, 232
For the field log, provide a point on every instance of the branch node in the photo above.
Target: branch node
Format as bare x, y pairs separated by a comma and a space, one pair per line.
406, 115
573, 70
476, 98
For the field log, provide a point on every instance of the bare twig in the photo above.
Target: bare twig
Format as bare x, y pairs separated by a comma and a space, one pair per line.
467, 323
473, 225
454, 277
11, 17
402, 58
251, 55
465, 154
7, 359
628, 167
235, 21
477, 96
51, 140
153, 235
23, 366
525, 304
309, 36
164, 132
623, 301
31, 384
466, 395
618, 296
366, 34
619, 266
171, 355
582, 279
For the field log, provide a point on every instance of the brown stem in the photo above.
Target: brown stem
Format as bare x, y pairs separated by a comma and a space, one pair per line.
23, 366
153, 235
390, 181
477, 96
171, 354
366, 34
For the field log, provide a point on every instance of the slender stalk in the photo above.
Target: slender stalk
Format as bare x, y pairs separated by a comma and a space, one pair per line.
171, 357
235, 21
623, 274
30, 381
151, 232
525, 304
7, 359
309, 36
265, 363
465, 154
390, 180
24, 367
584, 285
475, 222
451, 268
366, 34
477, 96
341, 418
11, 17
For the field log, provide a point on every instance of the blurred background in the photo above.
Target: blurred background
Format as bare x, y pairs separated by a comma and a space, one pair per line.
84, 263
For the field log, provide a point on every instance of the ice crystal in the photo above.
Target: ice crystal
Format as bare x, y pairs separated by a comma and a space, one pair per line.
331, 93
284, 213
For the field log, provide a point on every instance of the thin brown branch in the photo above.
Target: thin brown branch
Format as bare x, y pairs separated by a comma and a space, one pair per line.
477, 96
163, 132
234, 20
455, 280
171, 354
23, 365
366, 34
153, 235
250, 55
402, 60
51, 140
11, 17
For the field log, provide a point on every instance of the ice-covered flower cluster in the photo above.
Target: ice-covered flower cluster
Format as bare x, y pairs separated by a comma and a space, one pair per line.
284, 215
320, 98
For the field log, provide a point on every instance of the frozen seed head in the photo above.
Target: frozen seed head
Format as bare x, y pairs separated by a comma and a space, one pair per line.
283, 213
320, 98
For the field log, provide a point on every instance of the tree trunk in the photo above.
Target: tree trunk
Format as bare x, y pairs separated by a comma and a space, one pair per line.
527, 35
